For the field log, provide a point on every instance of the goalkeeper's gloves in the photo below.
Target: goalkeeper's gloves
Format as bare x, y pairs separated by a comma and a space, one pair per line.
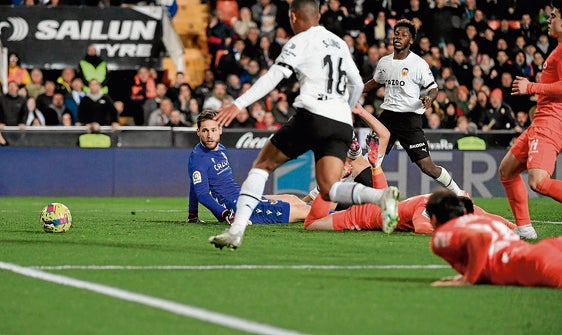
228, 216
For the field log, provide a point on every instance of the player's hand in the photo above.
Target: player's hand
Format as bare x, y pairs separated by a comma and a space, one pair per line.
426, 102
458, 280
228, 216
358, 109
226, 114
520, 86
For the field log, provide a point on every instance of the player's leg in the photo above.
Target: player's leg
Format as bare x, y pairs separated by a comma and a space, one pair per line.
317, 218
541, 166
439, 174
269, 158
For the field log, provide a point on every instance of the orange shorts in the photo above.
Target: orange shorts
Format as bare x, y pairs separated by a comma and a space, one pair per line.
358, 217
538, 148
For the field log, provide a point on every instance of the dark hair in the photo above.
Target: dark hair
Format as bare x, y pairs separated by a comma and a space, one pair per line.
408, 24
445, 205
556, 4
205, 115
308, 7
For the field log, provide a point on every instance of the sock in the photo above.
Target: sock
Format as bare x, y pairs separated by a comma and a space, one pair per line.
250, 196
447, 181
314, 193
551, 187
379, 179
518, 198
354, 193
319, 209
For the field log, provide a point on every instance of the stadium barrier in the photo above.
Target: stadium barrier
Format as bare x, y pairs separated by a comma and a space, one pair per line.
153, 162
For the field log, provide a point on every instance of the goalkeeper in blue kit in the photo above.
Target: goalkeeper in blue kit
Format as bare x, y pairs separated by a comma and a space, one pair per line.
212, 183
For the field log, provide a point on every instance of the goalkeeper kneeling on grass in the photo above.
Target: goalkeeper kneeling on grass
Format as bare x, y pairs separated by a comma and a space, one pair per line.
212, 183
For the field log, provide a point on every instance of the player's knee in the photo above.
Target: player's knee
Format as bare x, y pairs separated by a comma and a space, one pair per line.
536, 183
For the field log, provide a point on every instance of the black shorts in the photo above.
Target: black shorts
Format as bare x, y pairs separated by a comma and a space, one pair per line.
307, 131
406, 128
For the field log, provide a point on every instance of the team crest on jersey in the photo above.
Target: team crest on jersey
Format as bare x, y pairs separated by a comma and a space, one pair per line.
544, 65
405, 72
196, 177
273, 202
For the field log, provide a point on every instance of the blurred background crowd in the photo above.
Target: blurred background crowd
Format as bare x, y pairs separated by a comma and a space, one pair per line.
475, 48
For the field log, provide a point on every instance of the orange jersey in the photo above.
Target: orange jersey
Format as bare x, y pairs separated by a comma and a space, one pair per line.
549, 92
486, 251
411, 214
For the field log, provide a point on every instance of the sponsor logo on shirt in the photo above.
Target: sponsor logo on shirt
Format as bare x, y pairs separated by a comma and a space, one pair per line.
196, 177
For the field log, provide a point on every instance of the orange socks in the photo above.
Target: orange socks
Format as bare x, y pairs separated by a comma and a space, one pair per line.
319, 209
518, 198
551, 187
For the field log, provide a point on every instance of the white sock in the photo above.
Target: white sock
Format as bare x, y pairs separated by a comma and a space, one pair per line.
314, 193
250, 195
354, 193
447, 181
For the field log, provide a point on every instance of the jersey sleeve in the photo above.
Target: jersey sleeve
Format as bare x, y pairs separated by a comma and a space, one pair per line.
477, 245
200, 182
427, 80
421, 222
379, 74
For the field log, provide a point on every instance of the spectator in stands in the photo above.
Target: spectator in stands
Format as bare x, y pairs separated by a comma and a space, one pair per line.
268, 52
334, 17
470, 35
243, 24
10, 106
93, 67
176, 120
257, 112
65, 79
22, 92
36, 87
233, 85
440, 24
161, 115
230, 61
505, 32
283, 111
521, 67
152, 104
174, 90
214, 101
461, 68
502, 64
16, 73
183, 97
204, 90
270, 122
282, 18
370, 63
31, 115
544, 45
462, 100
72, 100
479, 20
45, 99
98, 107
194, 111
433, 121
450, 87
264, 13
251, 42
54, 112
537, 63
499, 115
219, 35
243, 120
143, 88
450, 118
377, 30
476, 114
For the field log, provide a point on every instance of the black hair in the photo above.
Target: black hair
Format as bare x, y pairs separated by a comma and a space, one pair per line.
446, 205
556, 4
408, 24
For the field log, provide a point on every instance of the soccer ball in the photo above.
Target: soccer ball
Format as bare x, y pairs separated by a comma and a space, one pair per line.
56, 218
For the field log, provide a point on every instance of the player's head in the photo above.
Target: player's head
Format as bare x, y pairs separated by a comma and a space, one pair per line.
555, 20
443, 206
303, 14
404, 34
208, 130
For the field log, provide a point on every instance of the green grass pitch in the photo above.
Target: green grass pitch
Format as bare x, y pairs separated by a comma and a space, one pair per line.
372, 283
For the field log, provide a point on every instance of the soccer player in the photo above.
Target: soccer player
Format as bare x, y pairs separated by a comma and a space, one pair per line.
536, 149
405, 76
330, 85
484, 251
213, 186
411, 212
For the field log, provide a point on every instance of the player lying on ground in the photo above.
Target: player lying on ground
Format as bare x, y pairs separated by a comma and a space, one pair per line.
213, 185
411, 212
484, 251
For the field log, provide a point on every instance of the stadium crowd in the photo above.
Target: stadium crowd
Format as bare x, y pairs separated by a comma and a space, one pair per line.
474, 48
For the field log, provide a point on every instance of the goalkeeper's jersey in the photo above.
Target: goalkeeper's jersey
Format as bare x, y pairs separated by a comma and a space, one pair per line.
212, 184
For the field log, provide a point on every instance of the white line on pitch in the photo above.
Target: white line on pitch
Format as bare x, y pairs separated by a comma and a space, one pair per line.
167, 305
237, 267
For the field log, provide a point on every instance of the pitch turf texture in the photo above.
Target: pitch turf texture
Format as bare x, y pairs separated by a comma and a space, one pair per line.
296, 281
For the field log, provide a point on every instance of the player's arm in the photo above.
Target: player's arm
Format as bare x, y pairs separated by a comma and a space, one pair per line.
373, 123
458, 280
420, 220
476, 244
261, 87
193, 206
428, 99
371, 85
354, 83
201, 189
